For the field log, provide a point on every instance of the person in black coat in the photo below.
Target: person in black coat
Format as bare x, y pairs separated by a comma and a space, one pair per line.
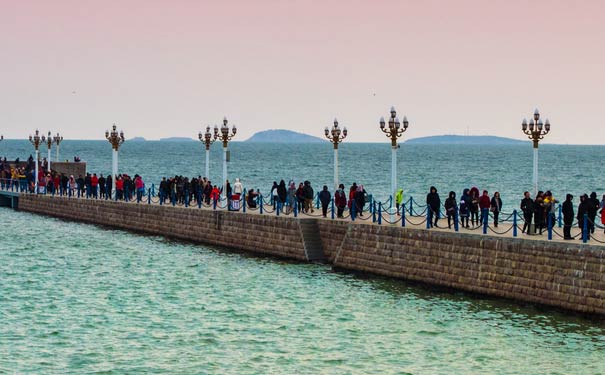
527, 207
593, 207
583, 210
450, 209
567, 210
282, 192
325, 198
433, 203
496, 207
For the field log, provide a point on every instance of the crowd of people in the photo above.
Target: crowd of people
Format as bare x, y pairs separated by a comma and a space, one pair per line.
472, 210
541, 210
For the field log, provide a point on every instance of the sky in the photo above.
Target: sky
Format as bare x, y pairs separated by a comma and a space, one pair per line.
170, 68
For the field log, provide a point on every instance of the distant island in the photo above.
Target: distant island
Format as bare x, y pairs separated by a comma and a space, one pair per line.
137, 139
282, 136
176, 139
464, 140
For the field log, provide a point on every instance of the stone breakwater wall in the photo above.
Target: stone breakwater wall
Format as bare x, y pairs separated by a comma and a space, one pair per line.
253, 233
564, 275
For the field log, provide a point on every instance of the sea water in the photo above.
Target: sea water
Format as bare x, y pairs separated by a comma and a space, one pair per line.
81, 299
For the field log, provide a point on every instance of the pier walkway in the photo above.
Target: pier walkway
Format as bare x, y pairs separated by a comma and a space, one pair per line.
411, 215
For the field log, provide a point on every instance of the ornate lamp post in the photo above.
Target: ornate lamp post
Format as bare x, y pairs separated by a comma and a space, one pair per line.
57, 139
535, 132
336, 136
36, 140
393, 131
225, 137
49, 143
207, 139
116, 141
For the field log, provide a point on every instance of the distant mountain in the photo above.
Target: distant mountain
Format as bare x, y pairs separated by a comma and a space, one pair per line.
176, 139
137, 139
464, 140
283, 136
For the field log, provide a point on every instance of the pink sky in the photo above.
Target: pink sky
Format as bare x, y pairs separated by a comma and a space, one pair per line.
169, 68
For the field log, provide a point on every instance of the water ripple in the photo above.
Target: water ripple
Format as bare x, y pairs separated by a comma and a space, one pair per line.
80, 299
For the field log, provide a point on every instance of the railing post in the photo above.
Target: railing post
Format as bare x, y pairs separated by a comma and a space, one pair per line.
485, 215
353, 211
379, 213
514, 223
456, 224
243, 198
550, 224
153, 190
429, 218
186, 198
261, 203
173, 199
277, 209
585, 229
332, 207
403, 216
372, 205
373, 210
148, 196
411, 206
560, 220
317, 201
295, 209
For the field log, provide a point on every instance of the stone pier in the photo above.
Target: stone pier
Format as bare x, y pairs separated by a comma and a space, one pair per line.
569, 275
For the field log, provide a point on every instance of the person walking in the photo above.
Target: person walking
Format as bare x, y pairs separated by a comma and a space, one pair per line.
583, 211
309, 194
484, 206
360, 200
539, 212
465, 206
593, 208
282, 193
340, 200
496, 207
398, 200
291, 196
433, 204
325, 198
474, 208
274, 194
603, 212
527, 207
450, 209
567, 210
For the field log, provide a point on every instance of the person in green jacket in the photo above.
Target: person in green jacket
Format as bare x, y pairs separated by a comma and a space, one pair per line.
398, 199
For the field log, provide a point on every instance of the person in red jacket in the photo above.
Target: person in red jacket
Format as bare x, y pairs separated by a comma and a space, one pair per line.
94, 185
340, 200
119, 187
215, 194
484, 205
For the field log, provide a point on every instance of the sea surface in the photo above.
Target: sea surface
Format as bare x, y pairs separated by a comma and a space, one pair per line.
80, 299
507, 169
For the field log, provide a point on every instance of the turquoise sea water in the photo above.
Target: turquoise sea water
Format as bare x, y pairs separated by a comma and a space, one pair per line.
80, 299
508, 169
